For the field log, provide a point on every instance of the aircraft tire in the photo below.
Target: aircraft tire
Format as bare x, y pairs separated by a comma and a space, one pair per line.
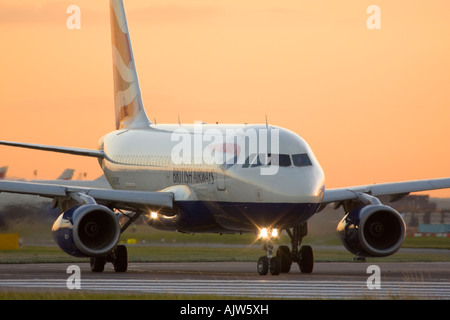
263, 265
284, 254
306, 262
97, 264
275, 266
121, 259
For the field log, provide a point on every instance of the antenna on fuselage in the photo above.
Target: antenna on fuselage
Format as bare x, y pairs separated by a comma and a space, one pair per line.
267, 123
179, 122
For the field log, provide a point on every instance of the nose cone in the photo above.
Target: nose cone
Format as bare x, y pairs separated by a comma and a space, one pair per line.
298, 185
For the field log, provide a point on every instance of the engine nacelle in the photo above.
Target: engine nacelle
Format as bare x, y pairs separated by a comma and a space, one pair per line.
89, 230
372, 231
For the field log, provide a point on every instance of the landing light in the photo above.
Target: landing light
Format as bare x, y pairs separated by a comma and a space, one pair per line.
268, 233
153, 215
263, 233
274, 233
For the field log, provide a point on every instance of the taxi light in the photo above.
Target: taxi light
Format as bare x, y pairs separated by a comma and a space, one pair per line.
263, 233
268, 233
153, 215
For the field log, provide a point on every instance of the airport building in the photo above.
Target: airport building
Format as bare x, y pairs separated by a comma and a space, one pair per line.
422, 215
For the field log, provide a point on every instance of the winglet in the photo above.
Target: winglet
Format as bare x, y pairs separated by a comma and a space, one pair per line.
130, 112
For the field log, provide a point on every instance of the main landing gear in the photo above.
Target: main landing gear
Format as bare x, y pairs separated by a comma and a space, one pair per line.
282, 261
118, 257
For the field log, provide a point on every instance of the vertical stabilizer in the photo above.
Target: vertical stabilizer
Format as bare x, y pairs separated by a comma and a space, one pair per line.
3, 171
130, 112
66, 175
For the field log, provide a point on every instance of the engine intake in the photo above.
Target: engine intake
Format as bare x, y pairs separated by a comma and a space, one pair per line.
87, 231
372, 231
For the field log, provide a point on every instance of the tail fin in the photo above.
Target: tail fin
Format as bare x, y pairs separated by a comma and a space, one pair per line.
66, 175
130, 112
3, 171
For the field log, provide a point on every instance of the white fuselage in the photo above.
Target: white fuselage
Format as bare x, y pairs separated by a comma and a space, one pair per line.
215, 171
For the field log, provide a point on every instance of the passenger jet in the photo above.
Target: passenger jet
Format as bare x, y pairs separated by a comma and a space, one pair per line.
208, 178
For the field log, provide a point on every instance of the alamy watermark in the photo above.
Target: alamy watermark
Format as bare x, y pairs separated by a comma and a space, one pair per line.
256, 147
74, 20
374, 280
374, 20
74, 280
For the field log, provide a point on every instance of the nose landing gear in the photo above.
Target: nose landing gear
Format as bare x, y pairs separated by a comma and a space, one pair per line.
281, 263
268, 262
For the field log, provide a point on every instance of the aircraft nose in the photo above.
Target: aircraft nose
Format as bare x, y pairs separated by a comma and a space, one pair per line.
300, 187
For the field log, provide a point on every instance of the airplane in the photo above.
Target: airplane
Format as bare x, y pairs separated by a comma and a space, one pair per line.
3, 171
66, 175
209, 178
37, 202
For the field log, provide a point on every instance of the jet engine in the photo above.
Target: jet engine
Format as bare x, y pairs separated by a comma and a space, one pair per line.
89, 230
372, 231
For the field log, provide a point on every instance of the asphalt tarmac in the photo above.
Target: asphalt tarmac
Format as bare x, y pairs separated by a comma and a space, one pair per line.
342, 280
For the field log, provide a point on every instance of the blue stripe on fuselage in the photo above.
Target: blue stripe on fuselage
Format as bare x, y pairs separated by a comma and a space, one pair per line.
208, 216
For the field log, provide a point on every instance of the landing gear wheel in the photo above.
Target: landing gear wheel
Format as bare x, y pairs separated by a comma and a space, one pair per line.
275, 266
303, 255
263, 265
121, 259
359, 259
306, 262
97, 264
284, 255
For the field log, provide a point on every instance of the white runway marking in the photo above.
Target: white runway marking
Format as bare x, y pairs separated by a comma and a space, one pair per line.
252, 288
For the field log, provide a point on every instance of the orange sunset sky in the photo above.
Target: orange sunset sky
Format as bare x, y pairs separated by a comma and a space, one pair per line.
374, 105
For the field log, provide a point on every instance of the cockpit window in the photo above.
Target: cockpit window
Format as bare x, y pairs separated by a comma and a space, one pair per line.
254, 160
301, 160
283, 160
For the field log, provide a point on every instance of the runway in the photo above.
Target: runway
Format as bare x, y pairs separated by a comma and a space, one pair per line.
239, 279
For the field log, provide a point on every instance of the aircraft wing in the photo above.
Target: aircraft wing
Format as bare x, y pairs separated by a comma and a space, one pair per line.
396, 190
121, 199
75, 151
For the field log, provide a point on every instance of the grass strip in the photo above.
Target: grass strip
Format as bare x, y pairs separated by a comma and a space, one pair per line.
199, 253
